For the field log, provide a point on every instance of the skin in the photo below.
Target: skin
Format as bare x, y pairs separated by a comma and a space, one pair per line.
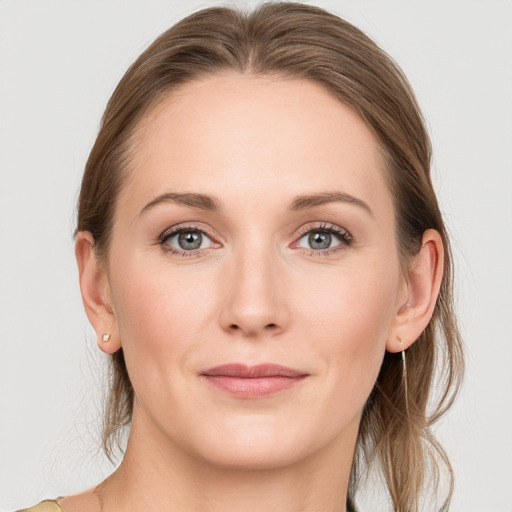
256, 292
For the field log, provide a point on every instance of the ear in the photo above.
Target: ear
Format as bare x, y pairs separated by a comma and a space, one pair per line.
96, 295
421, 289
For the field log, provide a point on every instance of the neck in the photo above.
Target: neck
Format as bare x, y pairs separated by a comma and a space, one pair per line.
157, 475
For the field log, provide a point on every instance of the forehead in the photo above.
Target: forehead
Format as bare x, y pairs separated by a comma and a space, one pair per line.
232, 134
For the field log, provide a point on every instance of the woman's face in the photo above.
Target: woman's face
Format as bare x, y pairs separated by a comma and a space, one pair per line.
256, 228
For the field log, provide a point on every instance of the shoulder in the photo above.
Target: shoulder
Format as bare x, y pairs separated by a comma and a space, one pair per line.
87, 501
44, 506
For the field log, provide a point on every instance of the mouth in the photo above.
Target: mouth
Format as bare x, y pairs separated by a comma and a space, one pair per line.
253, 381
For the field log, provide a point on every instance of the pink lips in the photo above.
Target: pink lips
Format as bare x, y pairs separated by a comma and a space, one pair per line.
253, 381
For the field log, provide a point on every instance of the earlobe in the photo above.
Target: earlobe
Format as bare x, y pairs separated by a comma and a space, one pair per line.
95, 290
424, 279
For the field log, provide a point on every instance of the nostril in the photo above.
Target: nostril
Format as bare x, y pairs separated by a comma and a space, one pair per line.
235, 327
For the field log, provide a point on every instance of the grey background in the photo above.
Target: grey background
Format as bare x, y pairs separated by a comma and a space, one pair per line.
59, 62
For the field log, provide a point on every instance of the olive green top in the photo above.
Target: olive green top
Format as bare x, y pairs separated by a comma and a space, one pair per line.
44, 506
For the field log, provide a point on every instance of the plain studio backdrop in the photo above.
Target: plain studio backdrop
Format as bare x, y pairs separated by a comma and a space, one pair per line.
60, 61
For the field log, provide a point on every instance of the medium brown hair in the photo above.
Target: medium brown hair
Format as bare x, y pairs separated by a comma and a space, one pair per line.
300, 41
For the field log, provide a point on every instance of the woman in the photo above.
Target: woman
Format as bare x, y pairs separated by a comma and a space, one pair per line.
261, 251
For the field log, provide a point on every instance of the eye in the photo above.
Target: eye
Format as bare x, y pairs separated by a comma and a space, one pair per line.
323, 238
186, 240
318, 241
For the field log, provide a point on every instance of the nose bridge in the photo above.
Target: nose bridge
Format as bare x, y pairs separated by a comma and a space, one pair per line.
255, 302
254, 276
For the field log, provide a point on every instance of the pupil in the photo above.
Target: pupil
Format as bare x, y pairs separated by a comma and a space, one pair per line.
190, 240
319, 240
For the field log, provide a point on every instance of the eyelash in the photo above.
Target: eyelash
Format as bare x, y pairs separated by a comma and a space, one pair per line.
341, 234
166, 235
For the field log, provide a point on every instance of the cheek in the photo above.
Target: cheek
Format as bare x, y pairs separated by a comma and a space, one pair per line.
162, 322
166, 315
357, 303
348, 322
157, 309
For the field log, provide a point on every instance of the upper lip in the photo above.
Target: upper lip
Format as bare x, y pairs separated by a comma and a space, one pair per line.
244, 371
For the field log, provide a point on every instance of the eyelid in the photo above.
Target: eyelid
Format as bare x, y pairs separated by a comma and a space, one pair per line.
323, 226
174, 230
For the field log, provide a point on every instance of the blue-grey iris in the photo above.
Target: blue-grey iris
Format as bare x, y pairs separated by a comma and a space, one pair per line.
190, 240
319, 240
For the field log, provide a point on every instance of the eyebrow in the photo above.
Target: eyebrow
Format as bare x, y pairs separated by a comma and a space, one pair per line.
201, 201
212, 203
305, 202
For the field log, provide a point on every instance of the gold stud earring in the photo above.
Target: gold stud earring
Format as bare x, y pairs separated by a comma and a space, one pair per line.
106, 337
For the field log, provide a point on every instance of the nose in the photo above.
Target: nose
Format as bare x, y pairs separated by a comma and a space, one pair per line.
255, 295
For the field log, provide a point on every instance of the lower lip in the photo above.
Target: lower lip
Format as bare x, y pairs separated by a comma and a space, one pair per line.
253, 387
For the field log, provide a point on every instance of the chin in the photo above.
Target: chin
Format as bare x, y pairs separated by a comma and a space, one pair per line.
258, 445
254, 457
